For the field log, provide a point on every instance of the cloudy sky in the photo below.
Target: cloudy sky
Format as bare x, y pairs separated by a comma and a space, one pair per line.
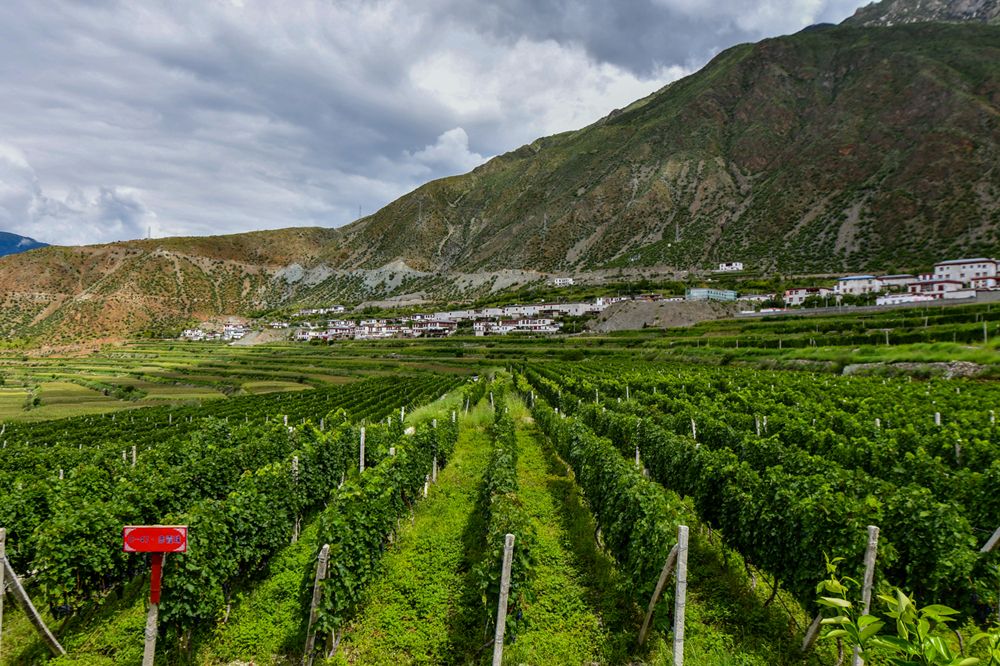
217, 116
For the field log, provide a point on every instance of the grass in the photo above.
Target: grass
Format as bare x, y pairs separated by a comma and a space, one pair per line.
273, 386
583, 616
57, 400
575, 615
412, 615
108, 634
266, 624
728, 620
170, 373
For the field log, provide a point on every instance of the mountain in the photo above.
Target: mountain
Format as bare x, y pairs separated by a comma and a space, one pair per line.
13, 244
845, 148
896, 12
59, 295
852, 147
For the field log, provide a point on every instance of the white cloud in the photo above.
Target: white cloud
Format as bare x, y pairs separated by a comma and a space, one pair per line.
109, 213
548, 87
449, 153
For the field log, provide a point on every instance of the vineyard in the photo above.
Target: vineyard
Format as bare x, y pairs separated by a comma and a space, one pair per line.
602, 510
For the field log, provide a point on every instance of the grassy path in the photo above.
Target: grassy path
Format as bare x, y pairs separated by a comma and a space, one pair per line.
574, 615
419, 610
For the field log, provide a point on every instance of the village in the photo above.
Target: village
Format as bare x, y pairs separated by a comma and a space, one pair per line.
950, 280
537, 319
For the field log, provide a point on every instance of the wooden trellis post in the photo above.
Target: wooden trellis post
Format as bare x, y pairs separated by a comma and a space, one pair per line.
668, 568
295, 482
812, 633
29, 609
991, 544
680, 596
361, 460
501, 628
324, 556
866, 589
677, 558
3, 558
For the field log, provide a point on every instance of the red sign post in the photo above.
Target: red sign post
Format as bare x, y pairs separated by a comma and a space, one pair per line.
154, 538
158, 540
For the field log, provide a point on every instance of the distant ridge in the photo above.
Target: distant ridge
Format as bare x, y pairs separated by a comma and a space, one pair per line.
14, 244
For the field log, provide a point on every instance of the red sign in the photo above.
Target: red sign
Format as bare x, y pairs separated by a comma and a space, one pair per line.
154, 538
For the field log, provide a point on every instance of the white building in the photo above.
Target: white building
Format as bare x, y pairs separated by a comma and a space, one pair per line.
432, 328
757, 298
856, 285
537, 326
899, 299
799, 295
523, 325
938, 288
985, 282
730, 267
562, 282
965, 270
234, 331
900, 281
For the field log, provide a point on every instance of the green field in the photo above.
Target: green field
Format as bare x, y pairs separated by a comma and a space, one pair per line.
772, 456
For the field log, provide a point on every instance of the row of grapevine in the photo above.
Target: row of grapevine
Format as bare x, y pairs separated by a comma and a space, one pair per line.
362, 515
637, 519
786, 509
885, 430
53, 519
504, 514
48, 445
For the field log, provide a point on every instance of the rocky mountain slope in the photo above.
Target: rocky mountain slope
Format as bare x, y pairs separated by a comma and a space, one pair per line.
896, 12
14, 244
856, 147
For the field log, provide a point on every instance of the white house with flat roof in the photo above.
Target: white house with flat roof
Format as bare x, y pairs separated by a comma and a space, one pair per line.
936, 288
900, 299
798, 295
730, 267
965, 270
856, 285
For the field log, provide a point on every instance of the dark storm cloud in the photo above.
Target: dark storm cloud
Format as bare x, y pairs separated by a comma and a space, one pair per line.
640, 34
196, 117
